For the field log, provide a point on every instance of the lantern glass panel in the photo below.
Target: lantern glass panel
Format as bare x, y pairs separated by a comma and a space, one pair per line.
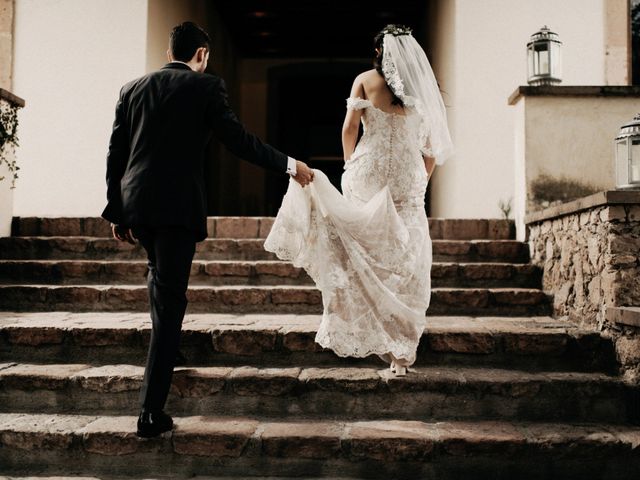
622, 162
542, 59
634, 161
530, 56
556, 64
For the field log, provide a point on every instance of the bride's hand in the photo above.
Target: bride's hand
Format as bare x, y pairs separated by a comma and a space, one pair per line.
304, 175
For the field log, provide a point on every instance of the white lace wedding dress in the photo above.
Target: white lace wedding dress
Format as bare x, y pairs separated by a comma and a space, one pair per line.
369, 250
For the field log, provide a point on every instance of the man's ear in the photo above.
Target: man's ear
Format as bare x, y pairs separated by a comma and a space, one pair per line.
169, 55
202, 54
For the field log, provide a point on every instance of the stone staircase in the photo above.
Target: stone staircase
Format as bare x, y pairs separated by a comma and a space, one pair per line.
501, 389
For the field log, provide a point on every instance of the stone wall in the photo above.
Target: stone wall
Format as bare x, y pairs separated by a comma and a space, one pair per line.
589, 250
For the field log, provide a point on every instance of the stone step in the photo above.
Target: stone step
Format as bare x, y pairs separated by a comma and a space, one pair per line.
347, 393
266, 272
532, 343
197, 477
257, 227
84, 248
205, 445
266, 299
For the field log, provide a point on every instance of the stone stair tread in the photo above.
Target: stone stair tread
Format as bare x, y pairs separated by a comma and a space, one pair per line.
108, 378
99, 338
206, 322
244, 287
255, 226
229, 436
228, 262
197, 477
215, 239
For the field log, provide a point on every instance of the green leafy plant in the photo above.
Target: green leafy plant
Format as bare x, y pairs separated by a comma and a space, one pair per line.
505, 207
9, 139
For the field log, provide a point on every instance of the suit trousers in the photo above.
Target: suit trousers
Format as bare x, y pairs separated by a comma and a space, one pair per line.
170, 253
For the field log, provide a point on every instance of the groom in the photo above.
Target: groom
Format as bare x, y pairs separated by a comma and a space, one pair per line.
156, 192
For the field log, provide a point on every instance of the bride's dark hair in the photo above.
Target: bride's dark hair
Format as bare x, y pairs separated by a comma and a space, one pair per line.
377, 61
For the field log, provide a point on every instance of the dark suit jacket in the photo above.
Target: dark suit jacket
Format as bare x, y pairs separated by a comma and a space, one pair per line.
155, 164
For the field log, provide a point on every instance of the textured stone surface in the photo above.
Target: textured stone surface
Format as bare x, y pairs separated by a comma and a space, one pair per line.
212, 437
33, 432
199, 382
314, 392
391, 440
341, 379
114, 336
110, 378
111, 436
304, 440
237, 227
591, 264
263, 381
472, 438
107, 442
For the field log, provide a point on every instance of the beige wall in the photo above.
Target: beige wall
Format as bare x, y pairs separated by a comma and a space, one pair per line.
481, 59
617, 42
71, 58
568, 138
442, 41
163, 15
6, 43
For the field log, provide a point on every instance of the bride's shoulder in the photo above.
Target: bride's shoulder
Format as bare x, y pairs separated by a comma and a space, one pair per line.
368, 75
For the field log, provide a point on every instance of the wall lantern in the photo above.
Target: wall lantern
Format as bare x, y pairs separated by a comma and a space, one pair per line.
544, 60
628, 155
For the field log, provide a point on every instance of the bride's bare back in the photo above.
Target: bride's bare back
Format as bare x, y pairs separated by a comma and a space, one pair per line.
372, 86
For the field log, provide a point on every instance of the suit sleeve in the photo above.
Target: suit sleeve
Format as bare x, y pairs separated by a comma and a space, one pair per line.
117, 159
227, 128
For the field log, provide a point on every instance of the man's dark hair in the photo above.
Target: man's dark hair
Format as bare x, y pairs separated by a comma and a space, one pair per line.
185, 39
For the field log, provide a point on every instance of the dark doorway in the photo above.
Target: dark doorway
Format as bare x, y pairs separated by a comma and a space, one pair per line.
307, 104
634, 15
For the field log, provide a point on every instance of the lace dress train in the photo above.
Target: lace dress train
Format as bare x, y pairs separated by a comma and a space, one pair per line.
368, 250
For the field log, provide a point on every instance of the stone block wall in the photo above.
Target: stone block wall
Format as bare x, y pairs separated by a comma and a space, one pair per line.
589, 250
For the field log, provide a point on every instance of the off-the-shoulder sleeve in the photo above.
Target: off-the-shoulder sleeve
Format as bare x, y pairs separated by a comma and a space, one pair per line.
357, 103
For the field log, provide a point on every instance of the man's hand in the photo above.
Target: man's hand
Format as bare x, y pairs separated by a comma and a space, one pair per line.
304, 175
123, 234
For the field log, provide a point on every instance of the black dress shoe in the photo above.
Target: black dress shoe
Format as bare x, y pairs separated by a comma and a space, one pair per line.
152, 424
180, 359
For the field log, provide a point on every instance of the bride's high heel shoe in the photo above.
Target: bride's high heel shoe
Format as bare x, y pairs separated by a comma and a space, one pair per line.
397, 369
400, 370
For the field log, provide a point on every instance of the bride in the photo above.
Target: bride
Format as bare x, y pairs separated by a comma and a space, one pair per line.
368, 249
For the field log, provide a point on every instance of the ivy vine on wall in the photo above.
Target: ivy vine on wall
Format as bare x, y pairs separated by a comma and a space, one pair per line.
9, 139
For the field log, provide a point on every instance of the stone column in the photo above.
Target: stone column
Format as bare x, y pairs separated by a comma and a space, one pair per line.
6, 44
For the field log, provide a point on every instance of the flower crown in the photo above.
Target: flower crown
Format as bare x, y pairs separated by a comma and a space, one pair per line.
397, 30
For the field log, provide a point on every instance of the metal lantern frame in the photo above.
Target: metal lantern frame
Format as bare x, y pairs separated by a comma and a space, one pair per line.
627, 155
544, 58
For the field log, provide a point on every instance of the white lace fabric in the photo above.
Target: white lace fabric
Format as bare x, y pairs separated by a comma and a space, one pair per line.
368, 250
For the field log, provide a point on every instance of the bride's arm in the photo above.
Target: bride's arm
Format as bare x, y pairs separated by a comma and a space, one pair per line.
351, 124
429, 164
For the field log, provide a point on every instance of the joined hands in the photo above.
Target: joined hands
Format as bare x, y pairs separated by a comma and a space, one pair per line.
304, 174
